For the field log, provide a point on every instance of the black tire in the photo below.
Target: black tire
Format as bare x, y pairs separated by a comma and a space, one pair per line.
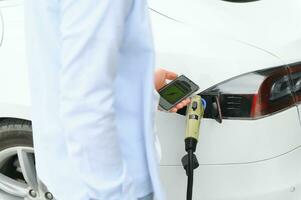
13, 133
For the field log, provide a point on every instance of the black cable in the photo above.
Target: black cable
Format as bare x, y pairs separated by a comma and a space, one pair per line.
190, 169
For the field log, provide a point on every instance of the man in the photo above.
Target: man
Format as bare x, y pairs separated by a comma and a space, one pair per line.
91, 77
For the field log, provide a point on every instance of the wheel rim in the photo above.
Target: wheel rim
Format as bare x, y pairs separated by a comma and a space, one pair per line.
27, 186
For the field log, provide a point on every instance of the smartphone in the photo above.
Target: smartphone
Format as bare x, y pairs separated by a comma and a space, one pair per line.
176, 91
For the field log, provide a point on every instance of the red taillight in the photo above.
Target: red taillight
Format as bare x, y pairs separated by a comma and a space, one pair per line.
255, 95
274, 94
295, 71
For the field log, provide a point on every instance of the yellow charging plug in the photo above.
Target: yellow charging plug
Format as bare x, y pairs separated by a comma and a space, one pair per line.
194, 114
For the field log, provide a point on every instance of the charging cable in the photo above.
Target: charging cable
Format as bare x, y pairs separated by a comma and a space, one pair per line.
194, 114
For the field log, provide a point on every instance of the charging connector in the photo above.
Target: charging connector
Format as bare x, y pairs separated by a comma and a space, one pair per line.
194, 114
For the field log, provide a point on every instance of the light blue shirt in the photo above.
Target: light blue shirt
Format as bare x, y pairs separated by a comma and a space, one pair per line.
91, 69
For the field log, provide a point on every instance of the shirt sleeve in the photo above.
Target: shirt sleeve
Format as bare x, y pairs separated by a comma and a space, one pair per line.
91, 33
157, 141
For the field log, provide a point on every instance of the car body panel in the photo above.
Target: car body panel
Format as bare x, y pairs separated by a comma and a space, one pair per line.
263, 153
233, 141
14, 87
275, 179
208, 59
273, 25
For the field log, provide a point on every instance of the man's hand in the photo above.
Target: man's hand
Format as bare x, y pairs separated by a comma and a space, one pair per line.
161, 77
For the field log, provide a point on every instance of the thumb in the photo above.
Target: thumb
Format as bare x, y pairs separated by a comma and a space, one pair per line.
171, 75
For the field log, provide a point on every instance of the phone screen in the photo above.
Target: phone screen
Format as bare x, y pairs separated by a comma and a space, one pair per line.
174, 92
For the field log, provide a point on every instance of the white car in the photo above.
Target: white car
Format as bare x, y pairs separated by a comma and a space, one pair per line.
244, 55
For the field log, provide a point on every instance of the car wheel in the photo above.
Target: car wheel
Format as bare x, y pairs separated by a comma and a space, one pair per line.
18, 179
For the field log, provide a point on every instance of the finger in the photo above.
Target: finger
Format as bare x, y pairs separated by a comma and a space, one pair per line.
185, 103
179, 105
171, 75
188, 101
173, 110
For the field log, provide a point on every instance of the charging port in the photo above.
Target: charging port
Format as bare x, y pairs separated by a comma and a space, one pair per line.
213, 108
